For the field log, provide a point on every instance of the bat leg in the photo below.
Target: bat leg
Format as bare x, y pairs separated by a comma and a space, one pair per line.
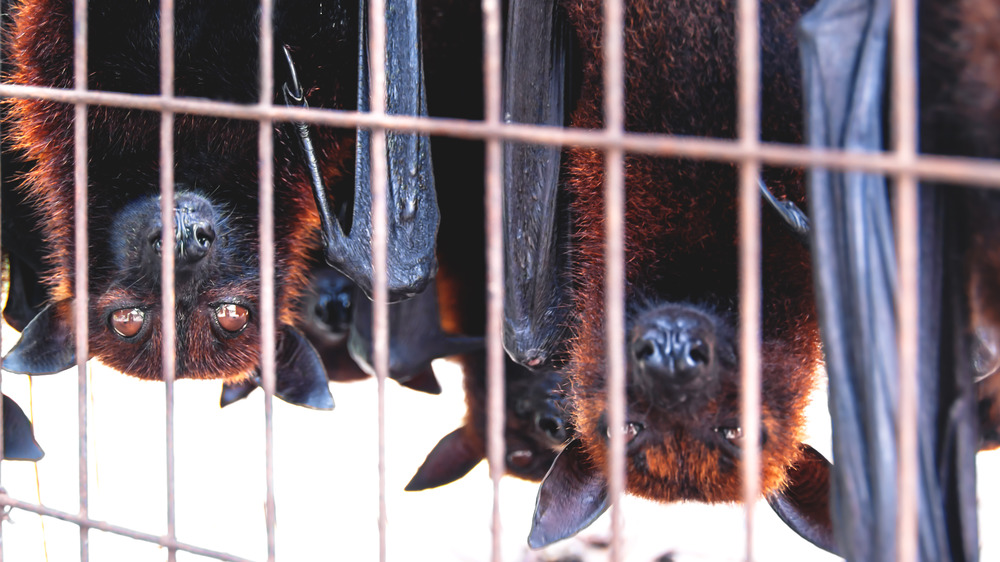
788, 211
413, 214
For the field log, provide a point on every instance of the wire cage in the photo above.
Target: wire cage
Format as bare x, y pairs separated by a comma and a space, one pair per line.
332, 465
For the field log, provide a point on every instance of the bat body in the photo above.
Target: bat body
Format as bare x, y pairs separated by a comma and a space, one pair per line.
216, 205
682, 419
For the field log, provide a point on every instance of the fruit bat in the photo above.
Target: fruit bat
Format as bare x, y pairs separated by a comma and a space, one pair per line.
683, 429
216, 247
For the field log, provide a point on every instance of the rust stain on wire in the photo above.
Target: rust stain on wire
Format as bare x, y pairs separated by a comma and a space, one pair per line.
946, 169
905, 121
266, 226
495, 411
81, 253
614, 292
748, 55
167, 290
379, 244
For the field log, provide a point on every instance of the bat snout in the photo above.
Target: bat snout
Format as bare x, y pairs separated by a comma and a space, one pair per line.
672, 353
194, 240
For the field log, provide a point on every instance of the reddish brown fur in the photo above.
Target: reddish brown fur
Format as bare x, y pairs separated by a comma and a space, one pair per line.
681, 232
41, 55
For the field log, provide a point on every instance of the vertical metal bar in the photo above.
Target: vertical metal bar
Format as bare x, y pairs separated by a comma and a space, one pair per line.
167, 289
905, 120
614, 292
81, 255
495, 451
266, 222
2, 40
748, 56
380, 290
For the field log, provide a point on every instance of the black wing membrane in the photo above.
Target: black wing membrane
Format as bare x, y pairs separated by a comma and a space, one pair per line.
535, 91
843, 45
18, 438
412, 201
415, 337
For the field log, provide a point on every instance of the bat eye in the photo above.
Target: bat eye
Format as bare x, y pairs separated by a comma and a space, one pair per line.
630, 429
127, 322
732, 439
232, 317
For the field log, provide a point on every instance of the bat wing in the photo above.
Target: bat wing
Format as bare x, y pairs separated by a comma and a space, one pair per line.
452, 458
571, 497
46, 345
413, 215
535, 90
301, 377
843, 46
415, 339
18, 439
804, 504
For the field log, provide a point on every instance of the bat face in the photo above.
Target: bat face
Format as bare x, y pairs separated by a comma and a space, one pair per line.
683, 428
216, 291
536, 425
536, 421
216, 247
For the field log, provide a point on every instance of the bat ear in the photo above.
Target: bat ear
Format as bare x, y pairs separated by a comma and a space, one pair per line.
572, 496
804, 504
18, 439
46, 345
452, 458
424, 381
236, 391
301, 376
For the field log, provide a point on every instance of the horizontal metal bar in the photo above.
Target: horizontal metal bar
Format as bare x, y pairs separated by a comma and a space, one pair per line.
972, 171
87, 523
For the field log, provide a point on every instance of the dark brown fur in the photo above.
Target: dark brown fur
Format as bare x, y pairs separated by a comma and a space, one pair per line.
960, 115
681, 240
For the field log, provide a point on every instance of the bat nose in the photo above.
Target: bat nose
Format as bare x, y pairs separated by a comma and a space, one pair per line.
671, 349
333, 310
551, 425
195, 236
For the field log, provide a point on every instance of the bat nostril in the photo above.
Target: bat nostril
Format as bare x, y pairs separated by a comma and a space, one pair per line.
204, 235
552, 426
698, 354
643, 349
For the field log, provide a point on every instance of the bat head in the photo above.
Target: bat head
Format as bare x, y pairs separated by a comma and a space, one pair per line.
682, 430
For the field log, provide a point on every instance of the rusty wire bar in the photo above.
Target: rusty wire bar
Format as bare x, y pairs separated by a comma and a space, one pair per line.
266, 226
80, 291
379, 245
167, 289
905, 137
748, 96
614, 256
495, 411
946, 169
86, 523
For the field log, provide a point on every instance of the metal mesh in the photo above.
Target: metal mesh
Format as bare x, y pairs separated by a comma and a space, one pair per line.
747, 151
